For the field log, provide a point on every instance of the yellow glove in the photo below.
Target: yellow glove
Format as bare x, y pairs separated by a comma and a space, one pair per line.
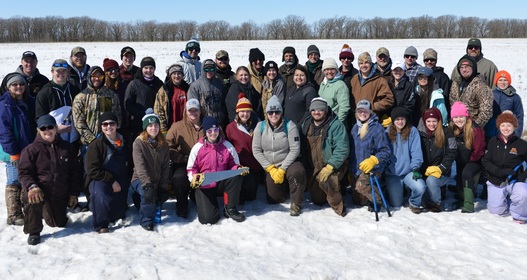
368, 164
197, 179
269, 168
278, 175
35, 195
244, 173
324, 173
386, 120
433, 171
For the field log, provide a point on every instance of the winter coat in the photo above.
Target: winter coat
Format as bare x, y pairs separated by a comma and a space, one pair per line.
316, 76
411, 71
437, 100
51, 166
346, 77
242, 140
181, 137
297, 101
476, 152
334, 137
405, 155
211, 95
485, 67
287, 74
506, 99
151, 164
256, 78
35, 83
250, 93
226, 76
442, 81
386, 73
336, 94
107, 163
375, 89
89, 105
128, 75
434, 156
17, 123
277, 87
52, 97
140, 95
170, 103
404, 95
208, 157
374, 143
77, 78
191, 67
474, 93
276, 146
501, 158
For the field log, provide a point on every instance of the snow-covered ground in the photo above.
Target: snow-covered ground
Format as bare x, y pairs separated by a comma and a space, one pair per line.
270, 244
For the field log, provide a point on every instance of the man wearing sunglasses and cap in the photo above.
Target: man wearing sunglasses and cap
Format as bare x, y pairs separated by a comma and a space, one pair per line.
485, 67
191, 61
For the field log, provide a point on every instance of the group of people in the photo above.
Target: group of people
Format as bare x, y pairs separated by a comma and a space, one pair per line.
316, 128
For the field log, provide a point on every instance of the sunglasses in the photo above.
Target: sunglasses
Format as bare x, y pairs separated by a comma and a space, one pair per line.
209, 69
17, 84
113, 70
223, 58
213, 130
345, 58
473, 47
410, 56
47, 127
429, 60
63, 65
105, 124
100, 77
194, 49
270, 113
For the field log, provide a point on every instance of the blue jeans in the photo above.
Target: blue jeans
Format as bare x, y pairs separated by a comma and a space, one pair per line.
147, 212
433, 187
394, 185
12, 174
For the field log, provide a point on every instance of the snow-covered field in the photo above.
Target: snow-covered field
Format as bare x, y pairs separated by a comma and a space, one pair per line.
270, 244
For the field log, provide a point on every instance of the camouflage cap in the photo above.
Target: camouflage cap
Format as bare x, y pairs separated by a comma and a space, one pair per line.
77, 50
222, 53
383, 50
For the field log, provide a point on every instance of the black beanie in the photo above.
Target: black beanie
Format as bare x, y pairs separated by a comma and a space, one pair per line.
288, 49
107, 116
255, 54
148, 61
270, 65
399, 112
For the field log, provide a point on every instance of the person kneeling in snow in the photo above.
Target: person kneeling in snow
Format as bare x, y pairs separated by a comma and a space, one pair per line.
212, 154
51, 179
505, 152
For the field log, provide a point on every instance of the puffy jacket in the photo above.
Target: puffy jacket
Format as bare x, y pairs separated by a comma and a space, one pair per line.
211, 157
501, 158
191, 67
17, 123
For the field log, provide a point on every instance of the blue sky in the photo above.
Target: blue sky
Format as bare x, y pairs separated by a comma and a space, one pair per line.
236, 12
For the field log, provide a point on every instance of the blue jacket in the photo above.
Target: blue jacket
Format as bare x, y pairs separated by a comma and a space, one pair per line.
506, 99
17, 123
374, 143
406, 155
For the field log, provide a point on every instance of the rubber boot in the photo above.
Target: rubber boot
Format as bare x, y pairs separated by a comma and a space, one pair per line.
14, 205
468, 197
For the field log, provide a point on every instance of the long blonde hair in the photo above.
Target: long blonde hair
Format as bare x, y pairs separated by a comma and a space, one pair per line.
439, 134
160, 138
469, 132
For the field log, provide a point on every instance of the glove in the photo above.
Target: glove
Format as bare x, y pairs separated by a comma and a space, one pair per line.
269, 168
162, 195
15, 159
195, 183
368, 164
433, 171
35, 195
278, 175
150, 194
73, 201
324, 173
386, 121
244, 173
416, 175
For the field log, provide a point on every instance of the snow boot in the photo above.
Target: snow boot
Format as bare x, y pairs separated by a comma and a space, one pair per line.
14, 205
232, 212
468, 197
295, 210
33, 239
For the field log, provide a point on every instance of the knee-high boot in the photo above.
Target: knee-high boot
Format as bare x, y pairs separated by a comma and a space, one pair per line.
14, 205
468, 196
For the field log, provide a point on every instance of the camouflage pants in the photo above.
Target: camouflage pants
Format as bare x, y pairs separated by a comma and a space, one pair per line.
361, 194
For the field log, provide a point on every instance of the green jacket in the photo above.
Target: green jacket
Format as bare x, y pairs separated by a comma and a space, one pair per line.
337, 95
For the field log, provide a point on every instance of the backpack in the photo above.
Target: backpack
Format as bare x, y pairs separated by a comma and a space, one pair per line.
286, 126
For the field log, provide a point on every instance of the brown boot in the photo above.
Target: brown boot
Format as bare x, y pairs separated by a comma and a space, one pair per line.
14, 205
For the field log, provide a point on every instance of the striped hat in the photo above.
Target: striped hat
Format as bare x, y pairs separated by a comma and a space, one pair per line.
243, 103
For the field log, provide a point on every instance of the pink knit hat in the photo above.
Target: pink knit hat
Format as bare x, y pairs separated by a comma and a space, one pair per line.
458, 110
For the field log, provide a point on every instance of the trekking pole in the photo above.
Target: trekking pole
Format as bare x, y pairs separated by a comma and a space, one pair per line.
382, 196
374, 198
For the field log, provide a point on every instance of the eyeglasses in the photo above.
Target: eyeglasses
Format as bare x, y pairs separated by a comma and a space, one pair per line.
194, 49
63, 65
105, 124
270, 113
473, 47
113, 70
209, 69
410, 56
48, 127
17, 84
429, 60
100, 77
213, 130
223, 58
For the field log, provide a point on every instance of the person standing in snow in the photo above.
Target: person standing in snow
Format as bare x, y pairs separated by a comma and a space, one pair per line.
78, 69
334, 91
315, 73
190, 61
242, 84
171, 98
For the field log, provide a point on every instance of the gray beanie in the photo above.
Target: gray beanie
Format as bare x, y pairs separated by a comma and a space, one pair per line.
329, 63
16, 78
273, 104
411, 50
318, 103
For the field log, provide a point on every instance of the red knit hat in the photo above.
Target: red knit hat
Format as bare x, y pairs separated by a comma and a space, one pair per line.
502, 74
432, 113
507, 117
108, 64
346, 52
243, 103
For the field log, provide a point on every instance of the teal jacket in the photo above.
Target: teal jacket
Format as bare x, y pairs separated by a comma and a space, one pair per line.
337, 94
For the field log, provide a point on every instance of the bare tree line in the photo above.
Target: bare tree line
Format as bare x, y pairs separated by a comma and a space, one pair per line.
59, 29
